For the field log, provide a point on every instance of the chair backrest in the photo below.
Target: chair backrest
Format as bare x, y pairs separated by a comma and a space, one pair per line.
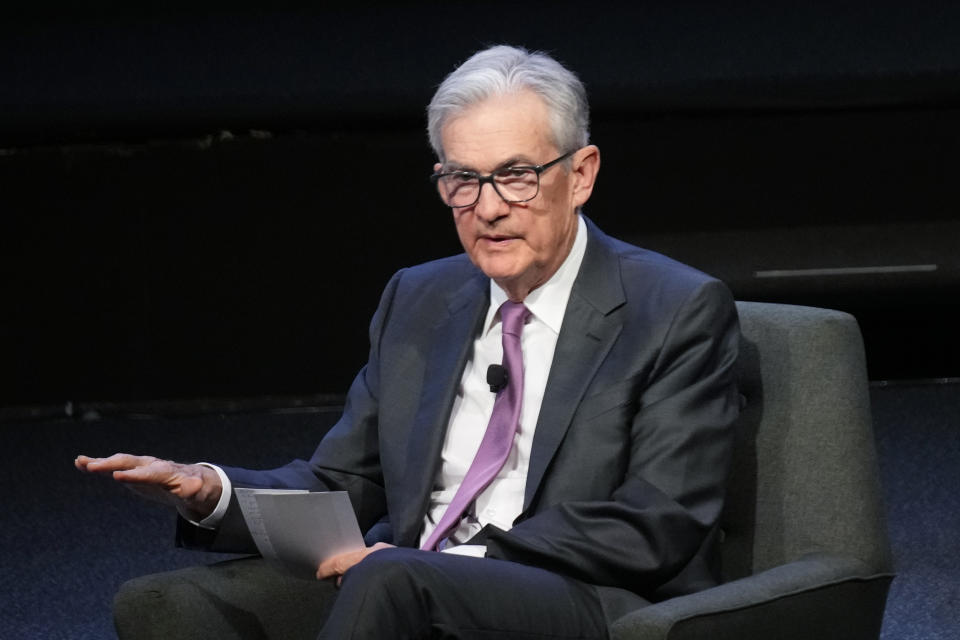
805, 475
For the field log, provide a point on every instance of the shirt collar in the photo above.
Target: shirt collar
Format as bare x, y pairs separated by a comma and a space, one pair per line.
548, 302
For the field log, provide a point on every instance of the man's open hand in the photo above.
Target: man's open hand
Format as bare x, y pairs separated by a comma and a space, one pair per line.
194, 487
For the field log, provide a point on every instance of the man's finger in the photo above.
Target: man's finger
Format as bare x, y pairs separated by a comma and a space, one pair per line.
338, 564
157, 473
341, 563
116, 462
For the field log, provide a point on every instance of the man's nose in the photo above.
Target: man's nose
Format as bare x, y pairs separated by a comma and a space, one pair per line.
490, 205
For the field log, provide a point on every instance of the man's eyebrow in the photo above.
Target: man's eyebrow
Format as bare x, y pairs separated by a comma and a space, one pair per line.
516, 160
454, 166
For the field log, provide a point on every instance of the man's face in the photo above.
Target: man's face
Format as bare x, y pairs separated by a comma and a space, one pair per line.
518, 245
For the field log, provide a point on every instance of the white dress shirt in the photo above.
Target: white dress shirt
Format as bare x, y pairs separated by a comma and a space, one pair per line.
502, 501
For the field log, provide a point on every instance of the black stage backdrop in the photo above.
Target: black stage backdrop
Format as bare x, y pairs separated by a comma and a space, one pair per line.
206, 202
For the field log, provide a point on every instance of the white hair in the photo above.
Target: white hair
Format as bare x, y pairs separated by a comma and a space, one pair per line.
502, 70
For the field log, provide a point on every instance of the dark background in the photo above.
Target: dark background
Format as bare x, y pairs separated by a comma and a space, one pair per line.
204, 203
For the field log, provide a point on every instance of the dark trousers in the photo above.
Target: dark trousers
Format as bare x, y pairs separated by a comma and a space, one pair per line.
393, 593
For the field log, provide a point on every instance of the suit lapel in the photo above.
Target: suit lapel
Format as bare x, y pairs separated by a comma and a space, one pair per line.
451, 339
589, 330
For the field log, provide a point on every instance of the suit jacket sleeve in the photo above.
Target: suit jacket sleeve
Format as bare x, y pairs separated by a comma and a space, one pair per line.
678, 436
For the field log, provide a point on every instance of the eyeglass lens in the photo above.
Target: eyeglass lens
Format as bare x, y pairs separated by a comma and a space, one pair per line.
514, 185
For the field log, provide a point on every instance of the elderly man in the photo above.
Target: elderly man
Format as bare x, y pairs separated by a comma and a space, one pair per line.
583, 478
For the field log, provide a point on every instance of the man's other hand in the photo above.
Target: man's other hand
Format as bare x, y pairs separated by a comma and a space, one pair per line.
339, 564
195, 487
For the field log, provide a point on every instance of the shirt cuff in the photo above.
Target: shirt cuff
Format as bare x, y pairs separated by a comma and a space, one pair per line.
213, 520
474, 550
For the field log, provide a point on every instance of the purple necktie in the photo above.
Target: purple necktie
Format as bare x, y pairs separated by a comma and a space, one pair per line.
498, 438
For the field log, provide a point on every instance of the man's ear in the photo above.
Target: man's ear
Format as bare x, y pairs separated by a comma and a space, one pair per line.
585, 165
437, 166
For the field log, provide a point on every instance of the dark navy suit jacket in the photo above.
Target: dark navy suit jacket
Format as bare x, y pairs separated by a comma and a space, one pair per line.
632, 446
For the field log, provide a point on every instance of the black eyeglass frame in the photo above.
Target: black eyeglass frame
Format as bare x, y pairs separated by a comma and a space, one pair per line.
537, 169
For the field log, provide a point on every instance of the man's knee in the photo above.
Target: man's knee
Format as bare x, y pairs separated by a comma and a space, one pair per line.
235, 599
153, 606
390, 569
384, 596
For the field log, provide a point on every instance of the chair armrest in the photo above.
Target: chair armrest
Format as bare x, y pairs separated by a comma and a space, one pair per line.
817, 595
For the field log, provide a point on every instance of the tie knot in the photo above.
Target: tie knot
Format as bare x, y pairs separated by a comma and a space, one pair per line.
513, 315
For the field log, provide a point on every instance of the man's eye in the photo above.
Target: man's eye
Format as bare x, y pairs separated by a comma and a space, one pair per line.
514, 175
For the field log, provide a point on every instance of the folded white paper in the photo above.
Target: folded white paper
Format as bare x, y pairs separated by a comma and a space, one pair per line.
296, 529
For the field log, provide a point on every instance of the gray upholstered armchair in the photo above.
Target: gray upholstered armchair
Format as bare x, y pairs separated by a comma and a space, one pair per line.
805, 552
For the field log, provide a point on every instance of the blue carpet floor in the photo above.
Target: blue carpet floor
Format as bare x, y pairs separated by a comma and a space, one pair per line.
70, 540
917, 430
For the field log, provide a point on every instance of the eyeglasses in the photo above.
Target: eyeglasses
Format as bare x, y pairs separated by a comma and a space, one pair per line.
514, 184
